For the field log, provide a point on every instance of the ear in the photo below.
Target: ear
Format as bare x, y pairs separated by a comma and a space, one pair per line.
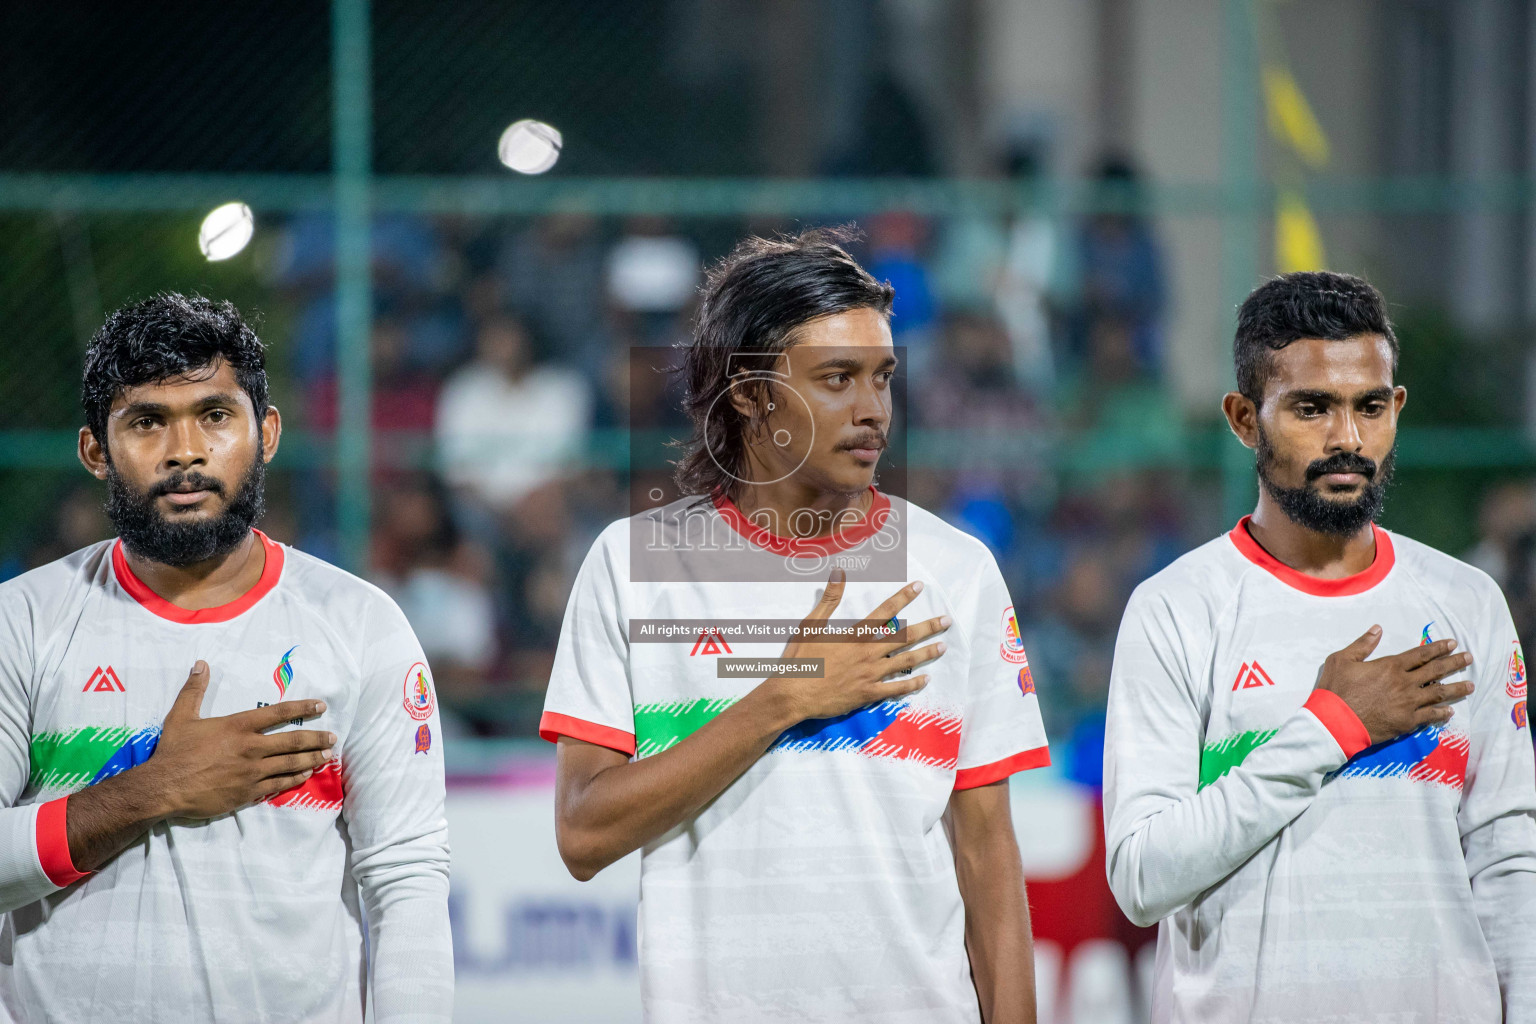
1242, 417
91, 453
748, 398
1399, 399
271, 433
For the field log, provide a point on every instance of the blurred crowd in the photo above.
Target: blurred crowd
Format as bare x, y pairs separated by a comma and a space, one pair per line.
504, 374
506, 394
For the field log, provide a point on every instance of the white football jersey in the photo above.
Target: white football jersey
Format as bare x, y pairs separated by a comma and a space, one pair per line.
819, 886
1300, 873
253, 916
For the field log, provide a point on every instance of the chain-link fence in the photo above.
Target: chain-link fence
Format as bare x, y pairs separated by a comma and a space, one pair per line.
1056, 411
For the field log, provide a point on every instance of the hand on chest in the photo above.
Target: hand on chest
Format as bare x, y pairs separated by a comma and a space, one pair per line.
132, 679
1266, 667
725, 624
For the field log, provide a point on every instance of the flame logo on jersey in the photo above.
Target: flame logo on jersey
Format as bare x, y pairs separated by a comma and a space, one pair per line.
1013, 642
283, 674
1516, 686
1424, 638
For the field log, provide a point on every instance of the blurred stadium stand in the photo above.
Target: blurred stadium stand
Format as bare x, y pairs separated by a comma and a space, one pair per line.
1071, 197
1064, 377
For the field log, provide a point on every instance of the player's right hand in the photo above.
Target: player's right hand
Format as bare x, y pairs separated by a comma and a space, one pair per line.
1398, 694
211, 766
857, 672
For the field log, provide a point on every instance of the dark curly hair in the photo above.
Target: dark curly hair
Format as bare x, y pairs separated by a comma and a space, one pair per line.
1309, 304
165, 337
754, 300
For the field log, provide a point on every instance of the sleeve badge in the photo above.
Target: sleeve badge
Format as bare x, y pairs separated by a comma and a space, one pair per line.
1013, 642
1516, 687
420, 701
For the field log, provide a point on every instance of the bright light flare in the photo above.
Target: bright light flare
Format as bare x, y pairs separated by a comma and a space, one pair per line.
529, 146
226, 231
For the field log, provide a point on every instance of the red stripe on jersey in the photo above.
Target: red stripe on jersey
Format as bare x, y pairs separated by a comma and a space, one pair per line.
1447, 763
1359, 583
53, 843
140, 592
1340, 720
553, 726
322, 791
871, 524
986, 774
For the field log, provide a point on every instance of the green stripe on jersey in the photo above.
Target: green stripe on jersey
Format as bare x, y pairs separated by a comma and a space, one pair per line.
1219, 758
69, 760
659, 726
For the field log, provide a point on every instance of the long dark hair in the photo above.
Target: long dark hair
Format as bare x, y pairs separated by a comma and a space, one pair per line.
754, 299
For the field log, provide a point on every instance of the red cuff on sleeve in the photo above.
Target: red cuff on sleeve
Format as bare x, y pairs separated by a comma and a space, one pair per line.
986, 774
1340, 720
53, 844
553, 726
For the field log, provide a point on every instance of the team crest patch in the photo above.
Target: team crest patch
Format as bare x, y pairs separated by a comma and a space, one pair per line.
1026, 680
1013, 643
419, 699
283, 674
1520, 715
1516, 686
423, 738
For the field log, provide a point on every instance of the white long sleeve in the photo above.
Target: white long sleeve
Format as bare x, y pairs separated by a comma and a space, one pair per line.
248, 917
32, 836
395, 820
1298, 872
1498, 814
1169, 840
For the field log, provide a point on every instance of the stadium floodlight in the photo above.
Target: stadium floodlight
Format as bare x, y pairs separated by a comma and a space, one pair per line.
226, 231
529, 146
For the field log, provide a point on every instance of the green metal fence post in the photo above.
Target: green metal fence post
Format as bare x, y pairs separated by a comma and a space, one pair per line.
1239, 231
351, 158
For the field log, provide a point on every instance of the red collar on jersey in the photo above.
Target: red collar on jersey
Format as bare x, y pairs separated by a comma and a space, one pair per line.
871, 524
1359, 583
140, 592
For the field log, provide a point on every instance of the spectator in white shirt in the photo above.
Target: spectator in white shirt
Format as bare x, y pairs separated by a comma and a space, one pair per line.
506, 424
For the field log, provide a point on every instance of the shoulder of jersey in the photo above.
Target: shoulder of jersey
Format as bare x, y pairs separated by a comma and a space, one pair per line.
939, 544
53, 585
331, 590
616, 535
1439, 572
1206, 575
936, 540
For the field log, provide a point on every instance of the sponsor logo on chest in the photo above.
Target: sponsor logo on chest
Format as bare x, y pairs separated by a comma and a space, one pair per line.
709, 642
104, 680
282, 677
1251, 676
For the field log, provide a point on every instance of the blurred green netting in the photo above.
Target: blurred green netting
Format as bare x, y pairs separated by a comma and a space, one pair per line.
121, 126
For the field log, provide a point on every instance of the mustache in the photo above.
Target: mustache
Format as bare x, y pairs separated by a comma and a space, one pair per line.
193, 481
1343, 462
872, 440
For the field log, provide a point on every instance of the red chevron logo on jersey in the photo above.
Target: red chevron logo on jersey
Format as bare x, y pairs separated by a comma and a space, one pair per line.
710, 642
103, 680
1251, 677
